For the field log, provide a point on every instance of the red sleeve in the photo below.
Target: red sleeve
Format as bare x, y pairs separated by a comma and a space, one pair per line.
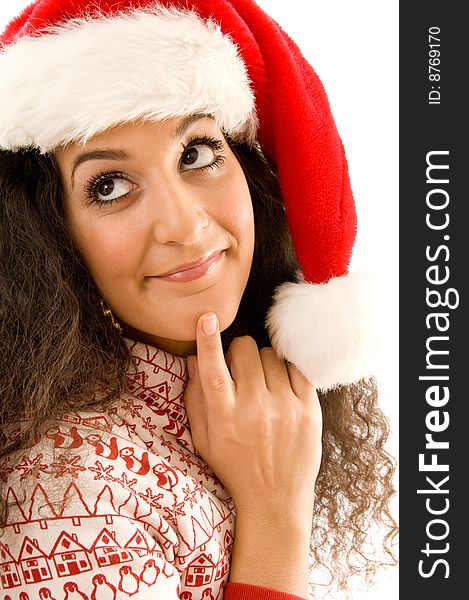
246, 591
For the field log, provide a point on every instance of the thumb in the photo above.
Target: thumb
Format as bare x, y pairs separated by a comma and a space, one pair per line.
195, 404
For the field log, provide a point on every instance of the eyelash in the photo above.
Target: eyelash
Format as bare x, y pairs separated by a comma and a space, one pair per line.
91, 187
213, 143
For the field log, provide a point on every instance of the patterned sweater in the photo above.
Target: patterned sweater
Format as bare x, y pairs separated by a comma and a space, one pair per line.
117, 504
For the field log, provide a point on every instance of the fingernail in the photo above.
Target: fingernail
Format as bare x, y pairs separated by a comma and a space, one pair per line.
209, 325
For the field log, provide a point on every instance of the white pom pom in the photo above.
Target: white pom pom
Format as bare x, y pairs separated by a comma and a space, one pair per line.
329, 331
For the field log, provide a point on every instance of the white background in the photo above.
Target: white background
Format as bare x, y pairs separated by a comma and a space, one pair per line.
353, 46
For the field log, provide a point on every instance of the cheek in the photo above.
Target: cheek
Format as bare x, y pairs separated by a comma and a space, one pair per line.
105, 245
243, 224
239, 216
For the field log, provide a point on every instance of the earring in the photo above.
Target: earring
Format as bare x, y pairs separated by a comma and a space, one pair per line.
108, 313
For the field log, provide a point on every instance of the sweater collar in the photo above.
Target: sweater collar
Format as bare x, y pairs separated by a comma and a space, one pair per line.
159, 376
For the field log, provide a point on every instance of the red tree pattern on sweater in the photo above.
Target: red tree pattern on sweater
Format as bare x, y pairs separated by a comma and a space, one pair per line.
118, 504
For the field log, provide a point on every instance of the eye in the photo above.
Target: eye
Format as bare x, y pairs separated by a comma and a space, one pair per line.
198, 156
112, 188
108, 188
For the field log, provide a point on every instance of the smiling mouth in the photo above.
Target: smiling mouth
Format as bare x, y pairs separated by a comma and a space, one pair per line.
195, 270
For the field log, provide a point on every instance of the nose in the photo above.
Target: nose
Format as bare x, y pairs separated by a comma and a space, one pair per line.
178, 212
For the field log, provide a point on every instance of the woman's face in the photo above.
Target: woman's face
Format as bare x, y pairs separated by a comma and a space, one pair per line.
142, 201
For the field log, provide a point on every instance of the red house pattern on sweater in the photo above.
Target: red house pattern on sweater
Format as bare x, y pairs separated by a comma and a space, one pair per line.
118, 504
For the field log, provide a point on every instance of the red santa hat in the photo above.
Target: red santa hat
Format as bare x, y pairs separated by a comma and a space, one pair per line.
74, 68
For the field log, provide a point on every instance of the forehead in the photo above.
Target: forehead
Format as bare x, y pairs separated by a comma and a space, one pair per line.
136, 132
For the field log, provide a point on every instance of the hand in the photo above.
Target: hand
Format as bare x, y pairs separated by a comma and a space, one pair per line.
258, 427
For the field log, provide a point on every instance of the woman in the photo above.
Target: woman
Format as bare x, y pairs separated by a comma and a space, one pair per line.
154, 444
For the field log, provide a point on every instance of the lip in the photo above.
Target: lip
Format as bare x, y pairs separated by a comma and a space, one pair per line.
192, 271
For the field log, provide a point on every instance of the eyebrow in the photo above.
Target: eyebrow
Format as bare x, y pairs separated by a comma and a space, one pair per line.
114, 154
121, 154
187, 122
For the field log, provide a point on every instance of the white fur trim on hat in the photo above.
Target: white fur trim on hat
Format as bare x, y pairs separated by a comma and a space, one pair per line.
328, 331
86, 75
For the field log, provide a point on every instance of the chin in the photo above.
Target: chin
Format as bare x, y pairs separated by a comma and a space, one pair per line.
226, 316
180, 325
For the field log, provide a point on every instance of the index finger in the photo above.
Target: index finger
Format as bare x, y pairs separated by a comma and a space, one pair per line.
213, 372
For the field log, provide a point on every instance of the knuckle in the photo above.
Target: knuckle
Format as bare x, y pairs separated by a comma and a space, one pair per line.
253, 369
270, 355
242, 344
217, 382
212, 345
290, 409
312, 417
262, 413
277, 369
305, 389
310, 394
267, 351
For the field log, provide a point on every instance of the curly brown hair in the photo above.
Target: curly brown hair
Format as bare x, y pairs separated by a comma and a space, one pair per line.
57, 349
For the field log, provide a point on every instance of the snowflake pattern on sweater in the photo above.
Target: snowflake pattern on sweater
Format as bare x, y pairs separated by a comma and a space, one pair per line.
117, 504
